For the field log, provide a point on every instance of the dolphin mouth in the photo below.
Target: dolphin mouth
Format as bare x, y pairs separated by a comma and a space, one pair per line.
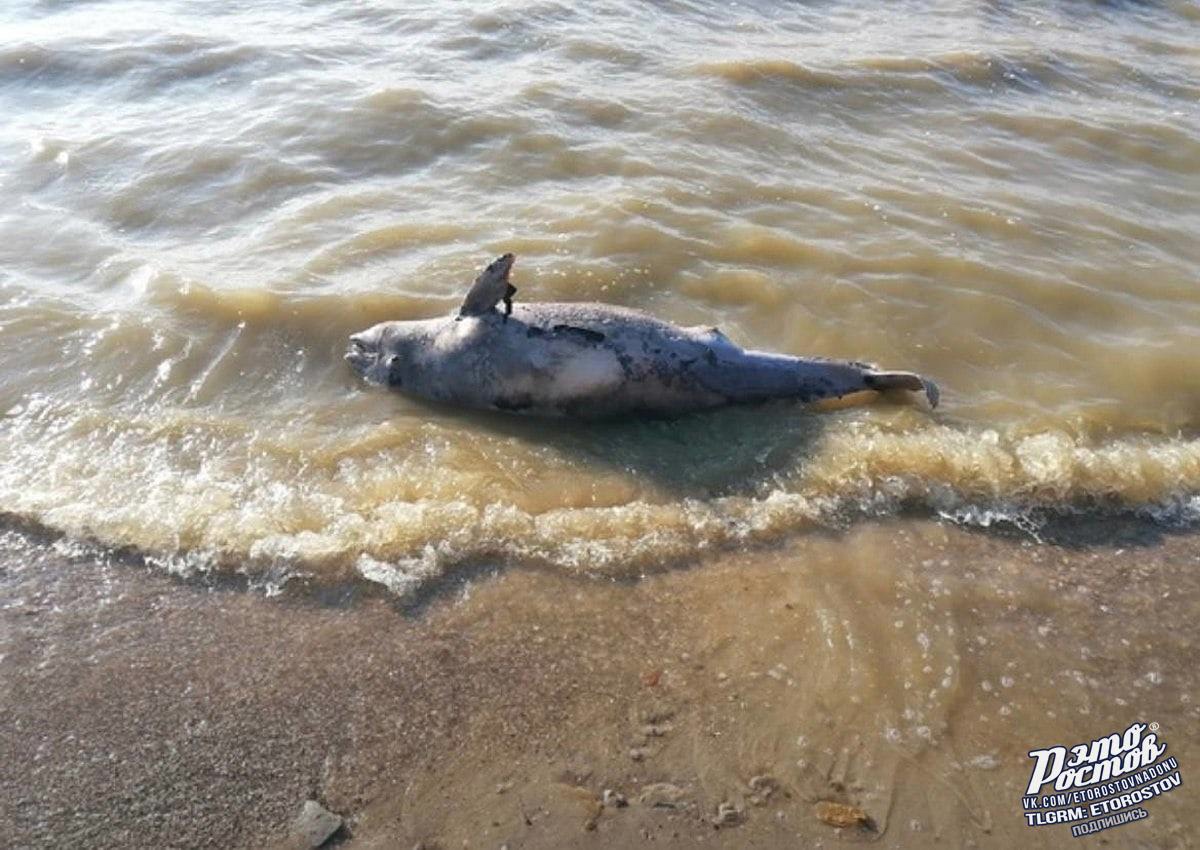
359, 355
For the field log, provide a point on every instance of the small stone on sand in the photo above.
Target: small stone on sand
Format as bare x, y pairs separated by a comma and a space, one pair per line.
727, 815
761, 788
315, 825
614, 799
663, 795
840, 815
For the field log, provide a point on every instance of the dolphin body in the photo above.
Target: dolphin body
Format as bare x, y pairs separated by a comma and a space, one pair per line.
592, 361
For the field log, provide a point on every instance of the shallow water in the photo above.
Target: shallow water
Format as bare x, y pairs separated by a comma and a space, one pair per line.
200, 206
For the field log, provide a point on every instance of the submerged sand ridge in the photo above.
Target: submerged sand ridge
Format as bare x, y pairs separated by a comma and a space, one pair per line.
900, 671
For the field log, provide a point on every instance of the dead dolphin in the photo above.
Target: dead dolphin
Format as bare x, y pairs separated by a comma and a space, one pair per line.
592, 360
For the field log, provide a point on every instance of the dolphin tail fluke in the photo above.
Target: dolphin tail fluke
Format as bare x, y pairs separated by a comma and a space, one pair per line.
883, 381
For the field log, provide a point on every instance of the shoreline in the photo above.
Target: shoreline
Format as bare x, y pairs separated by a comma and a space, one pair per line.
148, 711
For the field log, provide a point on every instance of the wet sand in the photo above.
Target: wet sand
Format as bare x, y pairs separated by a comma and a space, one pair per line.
142, 711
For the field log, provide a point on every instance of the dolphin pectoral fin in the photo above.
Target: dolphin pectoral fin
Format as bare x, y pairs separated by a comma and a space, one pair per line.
884, 381
508, 296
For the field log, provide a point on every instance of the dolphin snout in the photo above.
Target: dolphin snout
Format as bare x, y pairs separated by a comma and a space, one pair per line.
361, 354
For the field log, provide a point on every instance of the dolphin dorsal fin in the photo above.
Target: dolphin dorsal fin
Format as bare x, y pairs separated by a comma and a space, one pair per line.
490, 288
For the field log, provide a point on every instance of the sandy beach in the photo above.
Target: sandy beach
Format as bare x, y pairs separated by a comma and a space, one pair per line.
148, 712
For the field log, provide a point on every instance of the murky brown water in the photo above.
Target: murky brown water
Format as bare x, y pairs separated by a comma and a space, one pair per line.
200, 204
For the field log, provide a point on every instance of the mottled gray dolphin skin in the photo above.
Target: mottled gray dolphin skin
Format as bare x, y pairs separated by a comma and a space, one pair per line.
592, 360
